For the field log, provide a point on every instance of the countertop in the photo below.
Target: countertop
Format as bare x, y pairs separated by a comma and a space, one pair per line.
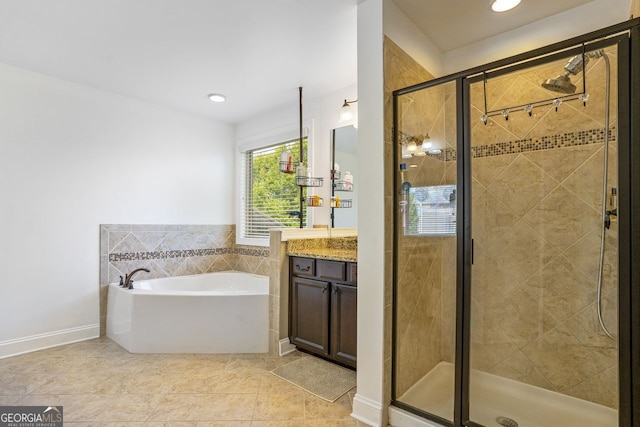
350, 255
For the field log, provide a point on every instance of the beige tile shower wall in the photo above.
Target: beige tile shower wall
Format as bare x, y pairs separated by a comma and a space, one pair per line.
419, 327
534, 279
537, 188
433, 111
536, 226
419, 323
172, 250
524, 87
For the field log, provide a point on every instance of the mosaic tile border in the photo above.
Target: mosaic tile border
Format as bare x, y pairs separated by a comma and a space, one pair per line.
569, 139
186, 253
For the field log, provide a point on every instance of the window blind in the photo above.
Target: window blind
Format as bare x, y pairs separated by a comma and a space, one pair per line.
270, 199
432, 210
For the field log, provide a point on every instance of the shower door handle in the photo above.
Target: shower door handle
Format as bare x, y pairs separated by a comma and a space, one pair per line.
472, 247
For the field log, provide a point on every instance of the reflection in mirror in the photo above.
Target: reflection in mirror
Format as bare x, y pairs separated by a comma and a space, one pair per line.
431, 211
344, 193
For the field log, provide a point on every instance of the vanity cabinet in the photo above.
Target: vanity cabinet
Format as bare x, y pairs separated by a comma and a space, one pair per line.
323, 308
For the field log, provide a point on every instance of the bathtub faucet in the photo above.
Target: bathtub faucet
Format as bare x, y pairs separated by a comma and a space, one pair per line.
128, 283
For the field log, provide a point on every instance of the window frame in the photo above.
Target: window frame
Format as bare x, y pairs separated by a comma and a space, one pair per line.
264, 140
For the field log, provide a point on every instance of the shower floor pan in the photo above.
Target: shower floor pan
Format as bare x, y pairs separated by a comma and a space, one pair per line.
492, 396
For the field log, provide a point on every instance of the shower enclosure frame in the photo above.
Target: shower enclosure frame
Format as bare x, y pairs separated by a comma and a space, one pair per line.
626, 36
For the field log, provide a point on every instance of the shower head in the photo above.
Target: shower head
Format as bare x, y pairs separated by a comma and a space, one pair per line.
562, 83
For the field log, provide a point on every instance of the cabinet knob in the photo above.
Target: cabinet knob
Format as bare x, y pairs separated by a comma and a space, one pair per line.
299, 268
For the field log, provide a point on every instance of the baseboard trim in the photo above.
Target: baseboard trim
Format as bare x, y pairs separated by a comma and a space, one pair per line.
32, 343
367, 411
285, 347
401, 418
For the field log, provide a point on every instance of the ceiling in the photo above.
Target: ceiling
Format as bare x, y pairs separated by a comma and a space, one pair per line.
256, 52
451, 24
175, 52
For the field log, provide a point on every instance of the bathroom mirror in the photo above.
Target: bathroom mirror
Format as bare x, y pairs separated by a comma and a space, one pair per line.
344, 177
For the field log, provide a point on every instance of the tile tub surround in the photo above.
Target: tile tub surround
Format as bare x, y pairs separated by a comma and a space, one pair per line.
172, 250
102, 385
537, 188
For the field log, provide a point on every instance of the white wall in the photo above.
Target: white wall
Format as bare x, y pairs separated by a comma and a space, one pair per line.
409, 38
571, 23
574, 22
367, 403
72, 158
321, 114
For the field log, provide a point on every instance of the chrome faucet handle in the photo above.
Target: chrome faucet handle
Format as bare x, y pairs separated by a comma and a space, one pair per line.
121, 282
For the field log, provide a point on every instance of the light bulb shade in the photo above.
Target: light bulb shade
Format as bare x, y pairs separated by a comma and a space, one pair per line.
426, 144
412, 147
346, 113
503, 5
405, 153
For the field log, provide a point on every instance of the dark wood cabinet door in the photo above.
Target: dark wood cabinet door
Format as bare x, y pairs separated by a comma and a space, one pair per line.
344, 324
309, 314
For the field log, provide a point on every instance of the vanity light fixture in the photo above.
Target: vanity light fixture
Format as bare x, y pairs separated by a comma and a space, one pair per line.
503, 5
346, 113
426, 143
412, 147
405, 153
424, 147
216, 97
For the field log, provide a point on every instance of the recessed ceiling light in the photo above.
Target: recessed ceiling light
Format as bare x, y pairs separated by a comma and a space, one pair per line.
216, 97
503, 5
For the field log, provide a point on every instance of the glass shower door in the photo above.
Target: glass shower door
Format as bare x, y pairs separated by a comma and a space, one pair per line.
539, 352
425, 283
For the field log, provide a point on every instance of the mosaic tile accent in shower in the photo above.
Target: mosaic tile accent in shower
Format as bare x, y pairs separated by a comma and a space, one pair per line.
570, 139
550, 142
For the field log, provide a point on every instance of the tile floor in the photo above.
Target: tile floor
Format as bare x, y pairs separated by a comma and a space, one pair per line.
100, 384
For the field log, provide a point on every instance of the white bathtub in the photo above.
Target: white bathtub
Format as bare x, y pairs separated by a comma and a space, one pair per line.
226, 312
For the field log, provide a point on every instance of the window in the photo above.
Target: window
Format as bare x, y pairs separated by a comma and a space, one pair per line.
431, 211
270, 198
